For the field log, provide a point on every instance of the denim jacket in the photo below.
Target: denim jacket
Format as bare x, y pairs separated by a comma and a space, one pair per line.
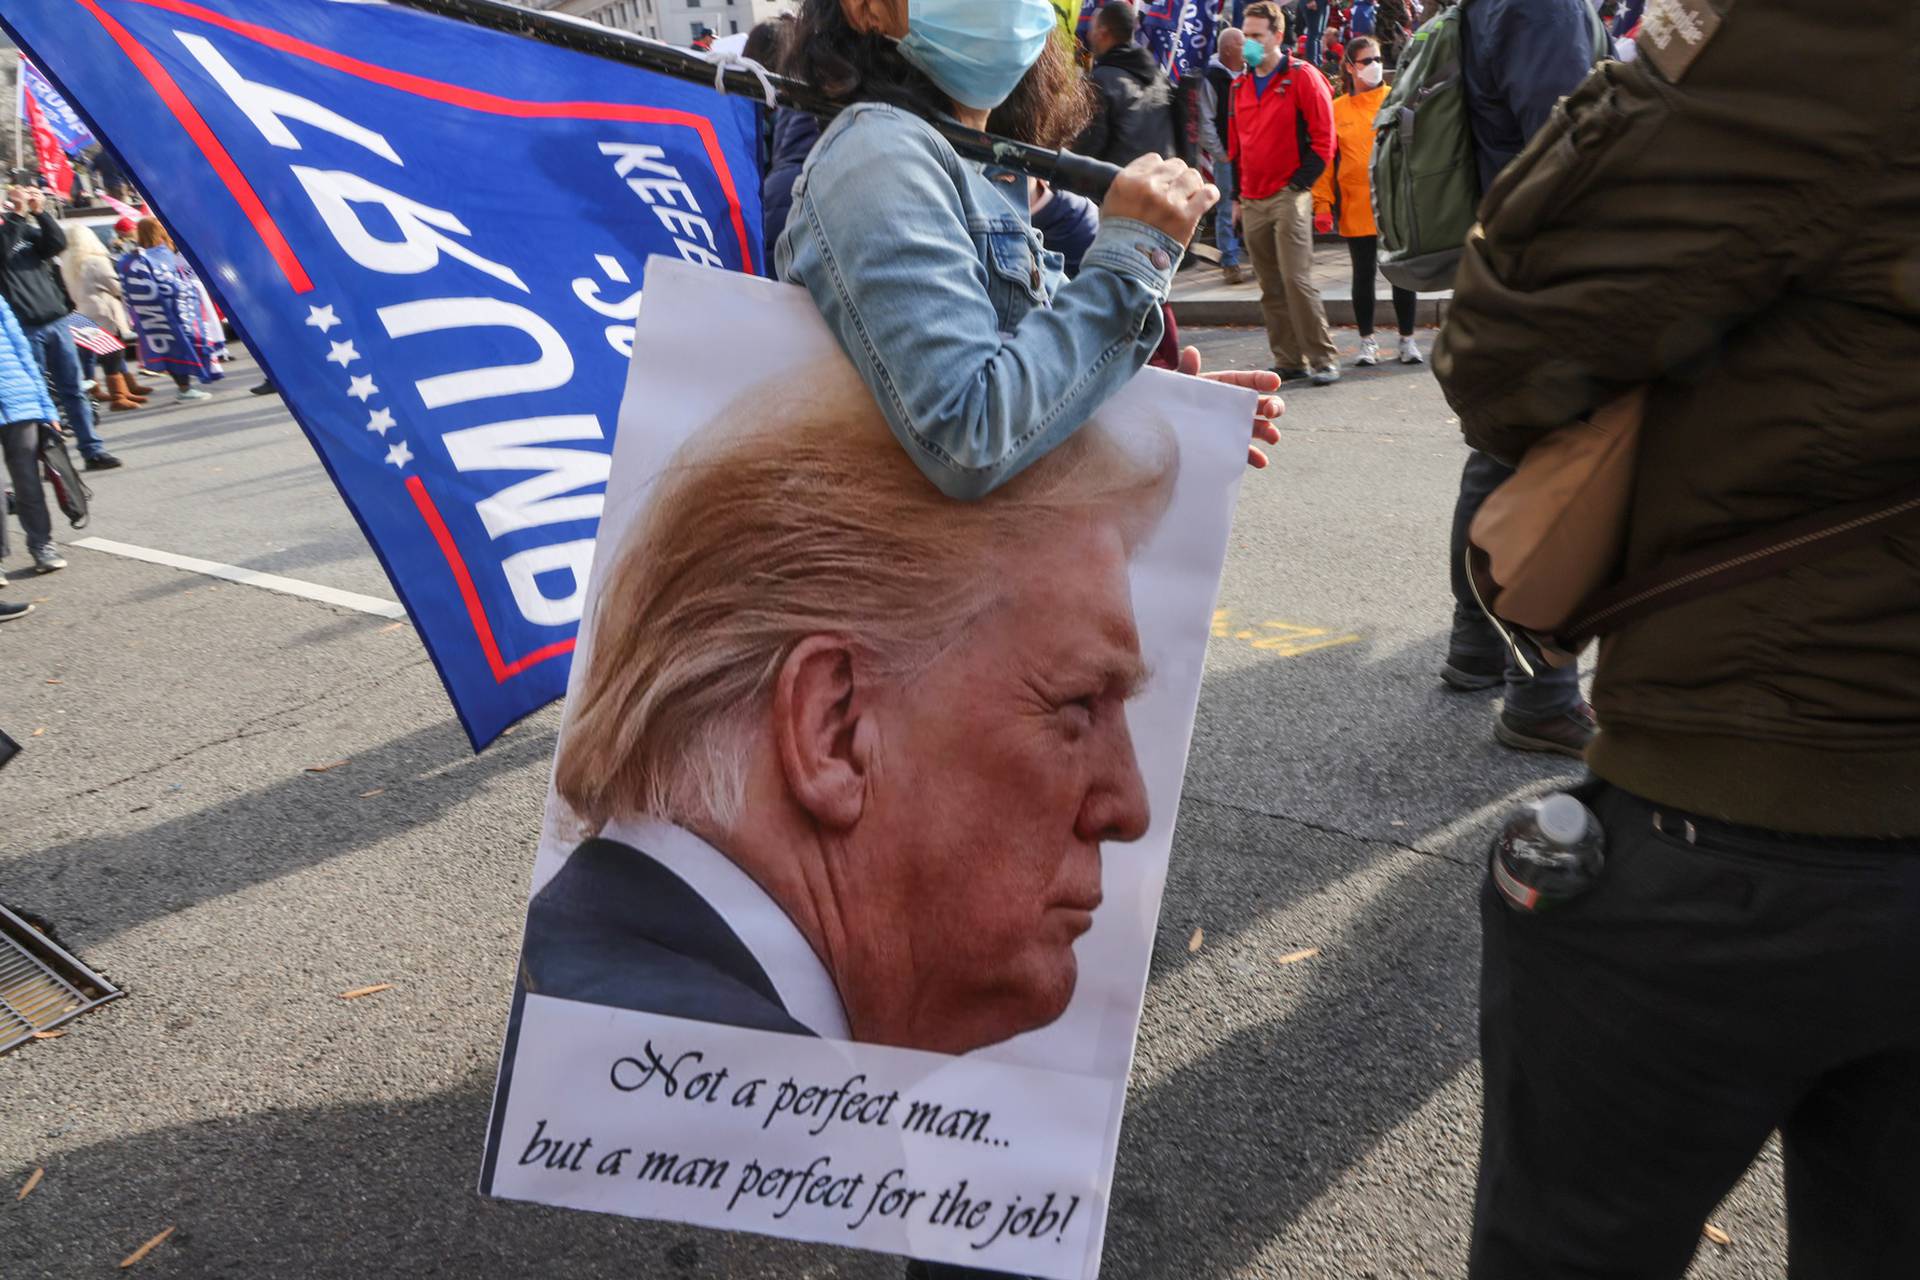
934, 280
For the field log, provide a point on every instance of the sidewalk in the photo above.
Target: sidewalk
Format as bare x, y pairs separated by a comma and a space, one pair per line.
1202, 297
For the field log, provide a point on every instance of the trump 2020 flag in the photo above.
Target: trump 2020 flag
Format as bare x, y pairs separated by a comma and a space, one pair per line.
433, 235
66, 125
1180, 34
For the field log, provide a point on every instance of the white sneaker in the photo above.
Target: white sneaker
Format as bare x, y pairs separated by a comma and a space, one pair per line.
1325, 377
1410, 350
1369, 352
193, 393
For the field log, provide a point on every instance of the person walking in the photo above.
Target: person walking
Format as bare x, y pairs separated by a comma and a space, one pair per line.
1227, 65
1135, 112
24, 407
1346, 188
179, 317
1520, 57
94, 285
981, 354
30, 240
1280, 140
1313, 26
1748, 960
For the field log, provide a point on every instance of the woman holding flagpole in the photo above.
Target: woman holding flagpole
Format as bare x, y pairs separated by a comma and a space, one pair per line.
980, 353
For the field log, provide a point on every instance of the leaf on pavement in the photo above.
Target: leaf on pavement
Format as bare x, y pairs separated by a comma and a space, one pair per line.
33, 1180
1716, 1235
1295, 957
392, 626
37, 732
56, 682
377, 791
375, 989
145, 1249
1197, 940
331, 764
48, 1035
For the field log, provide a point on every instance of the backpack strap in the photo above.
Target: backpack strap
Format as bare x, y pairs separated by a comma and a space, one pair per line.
1738, 560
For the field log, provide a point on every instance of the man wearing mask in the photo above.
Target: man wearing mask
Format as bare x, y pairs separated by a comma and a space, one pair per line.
1748, 960
1521, 58
1280, 140
30, 240
1228, 64
1136, 110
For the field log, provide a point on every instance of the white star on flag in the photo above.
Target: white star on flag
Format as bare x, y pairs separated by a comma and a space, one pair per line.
342, 353
322, 318
362, 387
380, 420
399, 455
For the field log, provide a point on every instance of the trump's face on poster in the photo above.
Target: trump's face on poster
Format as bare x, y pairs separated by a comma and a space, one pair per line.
853, 757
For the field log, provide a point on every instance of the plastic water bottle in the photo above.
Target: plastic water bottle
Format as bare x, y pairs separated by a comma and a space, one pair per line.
1550, 852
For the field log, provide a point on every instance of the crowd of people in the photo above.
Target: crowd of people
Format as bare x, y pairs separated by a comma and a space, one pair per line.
65, 330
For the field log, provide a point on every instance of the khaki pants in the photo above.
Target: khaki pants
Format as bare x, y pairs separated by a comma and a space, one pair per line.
1279, 237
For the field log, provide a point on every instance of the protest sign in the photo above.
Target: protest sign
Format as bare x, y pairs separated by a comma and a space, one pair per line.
862, 806
430, 235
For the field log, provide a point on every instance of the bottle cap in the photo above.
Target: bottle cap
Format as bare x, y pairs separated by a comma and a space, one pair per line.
1562, 819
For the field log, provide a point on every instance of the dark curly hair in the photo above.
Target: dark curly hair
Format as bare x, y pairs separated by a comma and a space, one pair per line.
1049, 107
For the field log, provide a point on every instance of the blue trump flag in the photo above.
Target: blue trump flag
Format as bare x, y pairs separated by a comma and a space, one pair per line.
67, 126
1180, 34
433, 235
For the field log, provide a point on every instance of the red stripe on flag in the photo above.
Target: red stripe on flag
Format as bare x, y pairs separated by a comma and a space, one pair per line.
216, 154
503, 670
474, 100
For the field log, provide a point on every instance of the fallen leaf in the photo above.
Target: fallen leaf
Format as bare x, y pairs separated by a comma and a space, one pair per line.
357, 992
377, 791
48, 1035
145, 1249
37, 732
1716, 1235
392, 626
56, 682
1295, 957
331, 764
1199, 937
33, 1180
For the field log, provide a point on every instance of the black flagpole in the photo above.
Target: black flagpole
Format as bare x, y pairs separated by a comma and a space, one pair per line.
1062, 169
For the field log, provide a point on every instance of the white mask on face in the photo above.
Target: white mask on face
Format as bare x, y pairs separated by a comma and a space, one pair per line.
1370, 75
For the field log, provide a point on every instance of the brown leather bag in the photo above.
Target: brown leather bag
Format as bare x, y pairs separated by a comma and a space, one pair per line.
1545, 551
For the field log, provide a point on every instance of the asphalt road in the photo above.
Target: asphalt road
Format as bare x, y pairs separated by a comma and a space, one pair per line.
1314, 1120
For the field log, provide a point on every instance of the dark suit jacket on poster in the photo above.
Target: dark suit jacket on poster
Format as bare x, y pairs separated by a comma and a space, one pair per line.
615, 927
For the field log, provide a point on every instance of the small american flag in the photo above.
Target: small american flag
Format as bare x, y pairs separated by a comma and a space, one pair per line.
93, 338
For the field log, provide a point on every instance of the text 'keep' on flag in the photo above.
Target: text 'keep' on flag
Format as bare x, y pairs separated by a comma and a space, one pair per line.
432, 236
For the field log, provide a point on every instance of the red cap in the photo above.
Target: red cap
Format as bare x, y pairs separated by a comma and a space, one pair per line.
124, 226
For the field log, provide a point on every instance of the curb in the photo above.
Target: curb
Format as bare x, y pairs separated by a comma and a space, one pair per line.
1428, 312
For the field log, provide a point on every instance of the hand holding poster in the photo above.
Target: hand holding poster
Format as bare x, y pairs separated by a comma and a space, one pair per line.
863, 803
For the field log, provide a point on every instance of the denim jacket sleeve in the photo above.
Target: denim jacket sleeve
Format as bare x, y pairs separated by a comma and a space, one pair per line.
889, 242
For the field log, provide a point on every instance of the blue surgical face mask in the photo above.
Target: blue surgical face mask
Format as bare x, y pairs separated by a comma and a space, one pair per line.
976, 51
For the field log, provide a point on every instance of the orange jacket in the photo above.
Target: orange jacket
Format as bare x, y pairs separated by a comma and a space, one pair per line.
1351, 172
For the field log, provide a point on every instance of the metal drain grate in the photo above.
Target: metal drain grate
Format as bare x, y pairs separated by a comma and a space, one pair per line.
41, 985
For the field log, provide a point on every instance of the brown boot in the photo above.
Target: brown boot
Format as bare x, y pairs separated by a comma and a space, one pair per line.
120, 399
99, 394
1233, 275
135, 392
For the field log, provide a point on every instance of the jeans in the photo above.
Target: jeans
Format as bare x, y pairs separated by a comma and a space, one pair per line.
1553, 691
60, 360
1364, 252
1313, 24
1640, 1043
20, 441
1223, 237
1280, 243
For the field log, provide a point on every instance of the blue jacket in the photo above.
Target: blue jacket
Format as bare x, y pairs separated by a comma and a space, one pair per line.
794, 135
1522, 56
980, 354
23, 388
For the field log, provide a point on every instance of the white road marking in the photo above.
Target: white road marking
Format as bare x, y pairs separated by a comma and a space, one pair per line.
248, 577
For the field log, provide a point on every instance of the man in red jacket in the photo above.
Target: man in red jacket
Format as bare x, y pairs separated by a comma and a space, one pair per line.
1280, 140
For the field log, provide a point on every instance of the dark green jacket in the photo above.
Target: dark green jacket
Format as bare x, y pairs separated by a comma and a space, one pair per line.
1725, 221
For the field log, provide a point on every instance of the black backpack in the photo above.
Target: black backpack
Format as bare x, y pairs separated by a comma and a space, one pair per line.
69, 490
